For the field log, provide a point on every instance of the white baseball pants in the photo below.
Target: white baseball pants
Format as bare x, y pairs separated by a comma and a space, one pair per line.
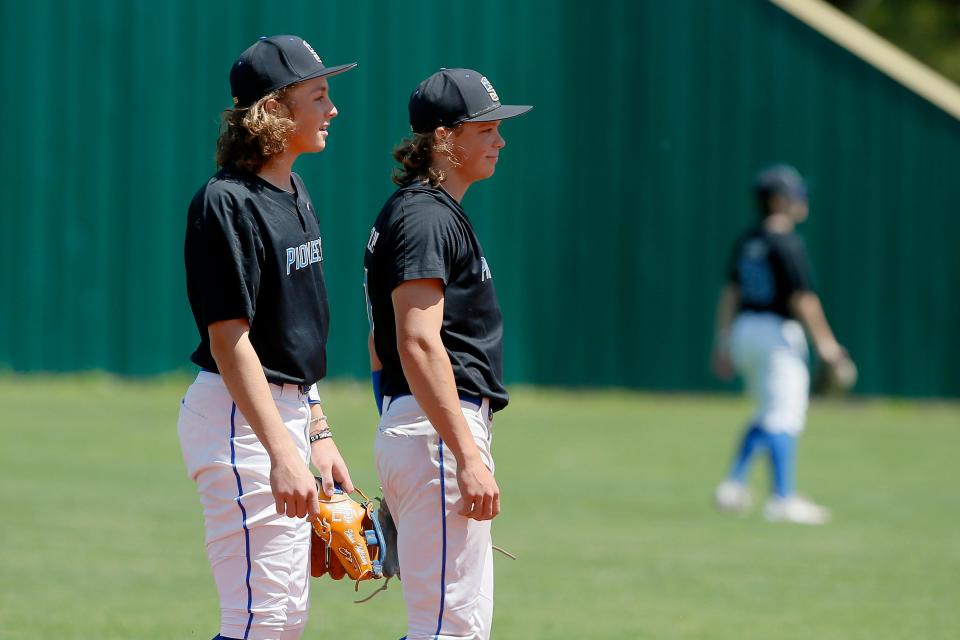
446, 563
770, 352
259, 559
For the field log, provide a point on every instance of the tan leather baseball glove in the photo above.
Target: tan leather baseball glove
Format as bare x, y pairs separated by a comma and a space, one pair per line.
347, 538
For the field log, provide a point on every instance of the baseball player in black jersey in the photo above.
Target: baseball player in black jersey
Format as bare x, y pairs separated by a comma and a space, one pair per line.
252, 421
436, 345
763, 310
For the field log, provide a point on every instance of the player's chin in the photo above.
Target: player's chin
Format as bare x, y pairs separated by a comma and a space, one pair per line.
320, 142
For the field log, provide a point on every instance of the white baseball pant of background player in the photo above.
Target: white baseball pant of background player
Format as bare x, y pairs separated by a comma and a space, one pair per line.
771, 353
259, 558
452, 598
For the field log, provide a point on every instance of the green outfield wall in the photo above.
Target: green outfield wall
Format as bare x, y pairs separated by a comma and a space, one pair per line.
606, 226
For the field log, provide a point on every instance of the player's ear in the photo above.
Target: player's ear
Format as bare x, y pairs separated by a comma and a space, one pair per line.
776, 203
272, 106
442, 134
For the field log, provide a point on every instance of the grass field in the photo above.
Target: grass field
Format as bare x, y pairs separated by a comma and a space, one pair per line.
605, 498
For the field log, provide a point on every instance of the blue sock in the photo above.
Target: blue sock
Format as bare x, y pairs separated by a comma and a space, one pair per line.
783, 458
752, 438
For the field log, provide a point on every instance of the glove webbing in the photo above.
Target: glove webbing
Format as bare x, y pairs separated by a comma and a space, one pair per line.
383, 587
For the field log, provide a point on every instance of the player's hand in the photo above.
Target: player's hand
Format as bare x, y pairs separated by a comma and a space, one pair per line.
481, 495
832, 352
330, 465
294, 489
722, 367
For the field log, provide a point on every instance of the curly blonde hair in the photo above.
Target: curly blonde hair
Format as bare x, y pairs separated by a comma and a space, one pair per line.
415, 155
250, 136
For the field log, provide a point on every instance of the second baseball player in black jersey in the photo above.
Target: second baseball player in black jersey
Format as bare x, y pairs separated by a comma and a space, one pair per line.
437, 334
422, 232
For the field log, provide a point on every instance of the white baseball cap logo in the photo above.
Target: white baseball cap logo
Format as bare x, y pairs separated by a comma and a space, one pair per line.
312, 52
489, 87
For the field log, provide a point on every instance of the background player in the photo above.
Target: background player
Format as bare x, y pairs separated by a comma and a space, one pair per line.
254, 279
437, 328
762, 312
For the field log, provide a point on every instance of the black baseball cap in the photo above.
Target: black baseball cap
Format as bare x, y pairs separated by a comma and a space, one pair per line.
452, 96
780, 179
273, 63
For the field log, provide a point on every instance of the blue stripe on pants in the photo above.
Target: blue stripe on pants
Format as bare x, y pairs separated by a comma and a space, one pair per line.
443, 559
243, 512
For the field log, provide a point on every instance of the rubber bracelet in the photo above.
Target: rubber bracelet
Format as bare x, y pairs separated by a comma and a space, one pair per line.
323, 434
317, 419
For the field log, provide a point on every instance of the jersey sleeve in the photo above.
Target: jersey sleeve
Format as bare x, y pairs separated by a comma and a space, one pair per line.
422, 244
796, 267
230, 266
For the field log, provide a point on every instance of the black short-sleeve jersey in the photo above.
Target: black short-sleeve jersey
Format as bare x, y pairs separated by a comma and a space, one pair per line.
254, 251
421, 233
769, 267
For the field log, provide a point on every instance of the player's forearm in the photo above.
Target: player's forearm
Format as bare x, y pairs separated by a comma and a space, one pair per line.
727, 305
242, 373
319, 426
318, 419
426, 366
808, 310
